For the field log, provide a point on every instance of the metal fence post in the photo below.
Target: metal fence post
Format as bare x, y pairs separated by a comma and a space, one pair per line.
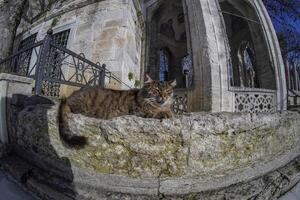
42, 62
102, 76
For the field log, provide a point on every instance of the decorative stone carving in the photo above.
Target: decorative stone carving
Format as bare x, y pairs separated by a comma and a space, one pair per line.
255, 102
180, 105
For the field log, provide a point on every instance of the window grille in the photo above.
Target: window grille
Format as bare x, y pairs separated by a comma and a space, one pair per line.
22, 62
62, 37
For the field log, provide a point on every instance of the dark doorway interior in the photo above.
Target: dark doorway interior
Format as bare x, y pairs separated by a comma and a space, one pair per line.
251, 66
168, 53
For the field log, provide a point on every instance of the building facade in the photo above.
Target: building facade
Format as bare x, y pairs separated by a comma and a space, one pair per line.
224, 54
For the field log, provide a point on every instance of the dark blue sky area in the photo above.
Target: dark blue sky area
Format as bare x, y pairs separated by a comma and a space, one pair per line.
280, 20
293, 23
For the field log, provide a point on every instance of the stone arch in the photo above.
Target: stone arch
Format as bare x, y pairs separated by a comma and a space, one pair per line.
167, 29
270, 72
243, 25
211, 89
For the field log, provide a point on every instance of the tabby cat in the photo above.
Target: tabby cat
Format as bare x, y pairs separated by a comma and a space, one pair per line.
153, 100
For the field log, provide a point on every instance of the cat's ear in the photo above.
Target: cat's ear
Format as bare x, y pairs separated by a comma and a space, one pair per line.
172, 83
148, 79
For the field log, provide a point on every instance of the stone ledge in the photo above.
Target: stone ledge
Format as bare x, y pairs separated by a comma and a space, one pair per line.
15, 78
188, 154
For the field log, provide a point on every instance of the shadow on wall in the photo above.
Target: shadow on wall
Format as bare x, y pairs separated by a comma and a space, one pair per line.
47, 169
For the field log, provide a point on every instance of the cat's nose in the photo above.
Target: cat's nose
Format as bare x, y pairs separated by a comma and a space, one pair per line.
160, 100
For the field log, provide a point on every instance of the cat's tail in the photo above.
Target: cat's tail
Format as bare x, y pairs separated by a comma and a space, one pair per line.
64, 130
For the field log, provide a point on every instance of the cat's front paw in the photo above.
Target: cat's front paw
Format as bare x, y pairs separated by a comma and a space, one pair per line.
165, 115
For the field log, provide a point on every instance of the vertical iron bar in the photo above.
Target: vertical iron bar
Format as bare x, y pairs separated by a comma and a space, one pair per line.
287, 65
102, 76
42, 62
296, 77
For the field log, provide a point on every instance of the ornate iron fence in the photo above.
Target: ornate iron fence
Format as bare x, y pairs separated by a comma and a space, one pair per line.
293, 83
19, 62
51, 65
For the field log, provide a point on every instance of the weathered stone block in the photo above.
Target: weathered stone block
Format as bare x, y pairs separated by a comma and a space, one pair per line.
10, 84
185, 156
187, 146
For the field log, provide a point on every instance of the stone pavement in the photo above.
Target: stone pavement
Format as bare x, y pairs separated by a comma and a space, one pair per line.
294, 194
11, 191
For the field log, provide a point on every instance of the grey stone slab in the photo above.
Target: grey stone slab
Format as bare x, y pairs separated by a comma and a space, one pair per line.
296, 190
289, 196
11, 191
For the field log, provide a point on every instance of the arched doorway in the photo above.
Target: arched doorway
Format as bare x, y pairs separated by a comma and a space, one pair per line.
251, 64
252, 71
167, 49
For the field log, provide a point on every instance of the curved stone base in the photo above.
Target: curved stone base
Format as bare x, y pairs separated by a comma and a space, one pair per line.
187, 156
95, 186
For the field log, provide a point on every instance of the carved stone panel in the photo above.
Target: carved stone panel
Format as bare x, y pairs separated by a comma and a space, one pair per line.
254, 102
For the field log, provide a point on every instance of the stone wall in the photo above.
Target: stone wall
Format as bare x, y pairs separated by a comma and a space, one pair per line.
186, 155
106, 31
111, 32
10, 12
211, 89
9, 85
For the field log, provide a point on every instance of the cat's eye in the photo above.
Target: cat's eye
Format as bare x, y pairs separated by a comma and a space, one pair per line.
155, 92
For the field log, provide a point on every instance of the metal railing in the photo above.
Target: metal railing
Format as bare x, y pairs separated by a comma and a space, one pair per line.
20, 61
293, 83
293, 74
293, 100
51, 65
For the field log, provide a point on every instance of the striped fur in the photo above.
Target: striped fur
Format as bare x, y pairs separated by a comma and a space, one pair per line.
154, 100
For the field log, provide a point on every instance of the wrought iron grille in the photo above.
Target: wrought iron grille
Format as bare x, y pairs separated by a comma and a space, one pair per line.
61, 38
27, 41
53, 70
73, 69
52, 64
9, 65
22, 63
